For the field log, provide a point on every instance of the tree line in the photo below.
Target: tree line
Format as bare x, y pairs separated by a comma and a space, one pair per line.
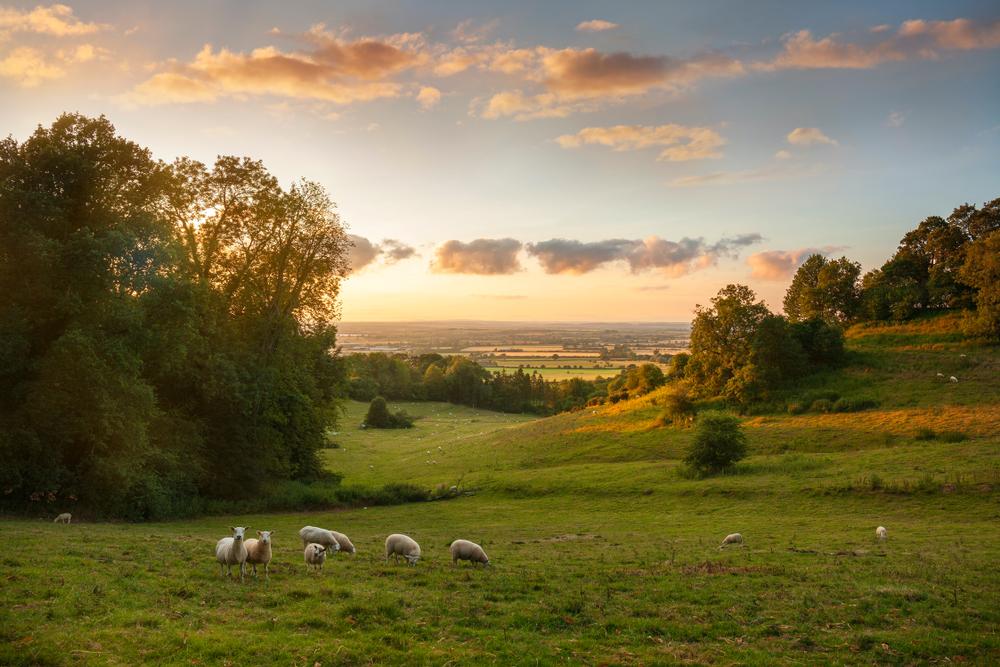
166, 329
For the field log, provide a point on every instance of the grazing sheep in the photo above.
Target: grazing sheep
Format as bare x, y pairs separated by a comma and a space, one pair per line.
314, 535
231, 551
65, 517
881, 533
953, 379
400, 545
733, 538
259, 551
470, 551
315, 556
940, 375
344, 543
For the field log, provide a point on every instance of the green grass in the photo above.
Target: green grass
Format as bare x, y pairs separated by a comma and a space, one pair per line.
603, 551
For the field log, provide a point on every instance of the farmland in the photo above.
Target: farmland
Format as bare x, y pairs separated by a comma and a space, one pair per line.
603, 549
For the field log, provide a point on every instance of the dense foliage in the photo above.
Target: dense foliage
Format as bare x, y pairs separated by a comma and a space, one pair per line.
165, 329
379, 416
719, 442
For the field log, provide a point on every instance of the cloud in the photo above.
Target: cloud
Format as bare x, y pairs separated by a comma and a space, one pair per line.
428, 97
481, 257
896, 119
731, 177
651, 288
596, 25
503, 297
332, 70
783, 155
681, 142
55, 20
28, 67
468, 32
674, 258
808, 136
363, 252
575, 80
781, 264
916, 39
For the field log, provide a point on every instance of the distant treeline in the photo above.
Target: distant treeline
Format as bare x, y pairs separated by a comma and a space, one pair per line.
458, 379
165, 329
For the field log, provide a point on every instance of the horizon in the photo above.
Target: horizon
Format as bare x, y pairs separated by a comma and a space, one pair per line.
575, 163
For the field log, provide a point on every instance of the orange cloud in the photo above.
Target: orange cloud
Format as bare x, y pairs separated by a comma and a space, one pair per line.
55, 20
781, 264
335, 71
28, 67
428, 97
808, 136
681, 142
481, 257
596, 25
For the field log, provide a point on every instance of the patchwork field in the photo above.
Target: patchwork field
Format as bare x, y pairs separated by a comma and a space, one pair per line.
603, 550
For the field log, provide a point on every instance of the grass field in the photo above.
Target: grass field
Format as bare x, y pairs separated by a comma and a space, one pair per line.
603, 551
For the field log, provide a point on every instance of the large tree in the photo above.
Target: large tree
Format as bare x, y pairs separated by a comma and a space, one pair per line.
823, 288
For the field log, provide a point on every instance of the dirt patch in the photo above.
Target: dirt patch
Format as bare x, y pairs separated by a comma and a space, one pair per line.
570, 537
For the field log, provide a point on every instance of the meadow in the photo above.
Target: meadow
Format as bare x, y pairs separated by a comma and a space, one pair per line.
604, 551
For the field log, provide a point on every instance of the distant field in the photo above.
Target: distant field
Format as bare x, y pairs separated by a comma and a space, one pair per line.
603, 551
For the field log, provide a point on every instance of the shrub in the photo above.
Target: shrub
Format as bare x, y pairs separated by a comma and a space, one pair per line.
719, 442
822, 405
854, 404
812, 396
379, 416
678, 409
796, 408
952, 436
925, 434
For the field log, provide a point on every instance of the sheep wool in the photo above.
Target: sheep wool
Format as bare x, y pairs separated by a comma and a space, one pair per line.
314, 555
259, 551
470, 551
231, 551
402, 545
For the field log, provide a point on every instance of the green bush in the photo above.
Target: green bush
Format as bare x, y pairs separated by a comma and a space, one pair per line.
797, 408
379, 416
822, 405
719, 442
678, 409
854, 404
952, 436
925, 434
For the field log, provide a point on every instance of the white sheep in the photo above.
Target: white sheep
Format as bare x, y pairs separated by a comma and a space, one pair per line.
940, 375
315, 556
259, 551
953, 379
314, 535
881, 533
732, 538
401, 545
231, 551
65, 517
470, 551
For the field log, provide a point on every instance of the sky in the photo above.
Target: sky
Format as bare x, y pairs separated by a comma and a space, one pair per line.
550, 161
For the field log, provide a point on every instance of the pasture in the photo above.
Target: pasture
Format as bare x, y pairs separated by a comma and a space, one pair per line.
604, 551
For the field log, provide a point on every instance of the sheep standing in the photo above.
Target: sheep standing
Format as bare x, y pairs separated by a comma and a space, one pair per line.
65, 517
401, 545
470, 551
732, 538
881, 533
231, 551
315, 556
259, 551
327, 538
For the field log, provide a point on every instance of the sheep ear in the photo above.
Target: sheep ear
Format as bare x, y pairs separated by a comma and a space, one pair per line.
260, 534
233, 528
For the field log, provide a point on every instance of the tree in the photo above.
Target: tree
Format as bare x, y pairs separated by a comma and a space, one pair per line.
982, 272
379, 416
824, 288
722, 336
719, 442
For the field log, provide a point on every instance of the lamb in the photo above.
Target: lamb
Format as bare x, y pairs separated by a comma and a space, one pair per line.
401, 545
733, 538
259, 551
470, 551
314, 535
65, 517
953, 379
315, 556
231, 551
881, 533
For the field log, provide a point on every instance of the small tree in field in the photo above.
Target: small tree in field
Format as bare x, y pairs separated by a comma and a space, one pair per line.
380, 417
719, 442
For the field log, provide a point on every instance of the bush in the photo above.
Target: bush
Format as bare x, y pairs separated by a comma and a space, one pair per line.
719, 442
379, 416
925, 434
952, 436
854, 404
822, 405
797, 408
678, 409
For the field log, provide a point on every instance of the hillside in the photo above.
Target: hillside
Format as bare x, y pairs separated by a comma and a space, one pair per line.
602, 552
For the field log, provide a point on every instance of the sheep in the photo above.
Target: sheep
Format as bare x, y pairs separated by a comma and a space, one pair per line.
231, 551
259, 551
470, 551
315, 556
65, 517
940, 375
733, 538
314, 535
953, 379
881, 533
401, 545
